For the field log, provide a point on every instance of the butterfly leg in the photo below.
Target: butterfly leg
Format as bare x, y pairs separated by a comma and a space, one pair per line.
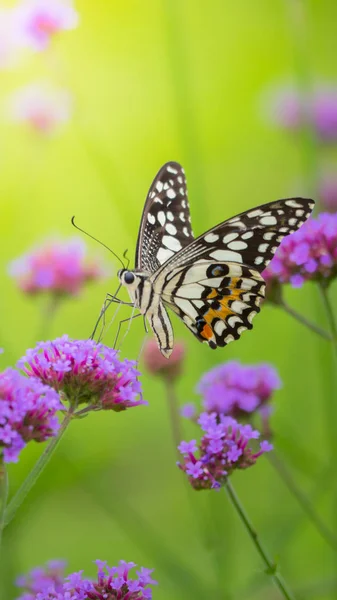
128, 328
103, 310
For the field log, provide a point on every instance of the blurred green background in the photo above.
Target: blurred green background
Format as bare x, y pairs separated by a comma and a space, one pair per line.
156, 81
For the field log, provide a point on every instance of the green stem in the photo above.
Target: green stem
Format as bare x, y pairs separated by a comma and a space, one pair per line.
3, 497
271, 568
172, 403
36, 471
304, 321
302, 500
331, 412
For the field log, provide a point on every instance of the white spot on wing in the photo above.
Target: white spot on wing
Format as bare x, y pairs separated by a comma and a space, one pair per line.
193, 290
254, 213
268, 235
229, 339
171, 193
229, 237
171, 229
259, 260
171, 170
159, 186
292, 222
225, 255
171, 242
299, 213
186, 306
170, 215
151, 218
263, 248
182, 216
238, 306
186, 231
219, 327
293, 204
233, 319
268, 220
163, 255
161, 217
247, 235
237, 245
251, 316
211, 237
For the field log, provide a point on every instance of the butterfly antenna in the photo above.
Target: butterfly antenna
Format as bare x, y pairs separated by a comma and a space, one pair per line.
126, 258
96, 240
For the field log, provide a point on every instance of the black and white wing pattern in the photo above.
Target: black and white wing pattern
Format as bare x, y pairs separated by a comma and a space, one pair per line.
166, 223
215, 284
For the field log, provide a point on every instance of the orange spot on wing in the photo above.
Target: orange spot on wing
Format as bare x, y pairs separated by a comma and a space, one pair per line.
206, 332
212, 294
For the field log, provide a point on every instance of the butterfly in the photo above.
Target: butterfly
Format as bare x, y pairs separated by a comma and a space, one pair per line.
213, 282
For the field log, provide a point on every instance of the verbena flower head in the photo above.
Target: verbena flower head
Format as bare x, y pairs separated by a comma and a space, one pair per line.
42, 579
320, 110
112, 583
157, 364
308, 254
42, 107
85, 372
56, 267
27, 412
224, 447
40, 20
236, 390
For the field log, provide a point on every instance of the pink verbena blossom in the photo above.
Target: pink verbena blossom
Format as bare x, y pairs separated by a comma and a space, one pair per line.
308, 254
112, 583
157, 364
237, 390
224, 447
40, 20
27, 412
42, 579
42, 107
56, 267
320, 110
85, 372
11, 43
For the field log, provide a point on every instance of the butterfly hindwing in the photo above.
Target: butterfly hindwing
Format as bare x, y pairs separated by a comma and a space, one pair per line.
166, 224
217, 301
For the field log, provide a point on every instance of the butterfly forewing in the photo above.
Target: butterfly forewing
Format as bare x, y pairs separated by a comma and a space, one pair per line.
250, 238
166, 224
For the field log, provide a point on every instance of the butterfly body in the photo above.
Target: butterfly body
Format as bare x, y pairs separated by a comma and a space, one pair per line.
214, 282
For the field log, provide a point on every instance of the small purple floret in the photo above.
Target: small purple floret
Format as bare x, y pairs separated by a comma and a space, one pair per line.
237, 390
27, 412
309, 254
224, 447
49, 583
85, 372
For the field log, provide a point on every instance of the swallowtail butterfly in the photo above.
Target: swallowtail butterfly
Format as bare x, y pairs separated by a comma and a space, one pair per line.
212, 282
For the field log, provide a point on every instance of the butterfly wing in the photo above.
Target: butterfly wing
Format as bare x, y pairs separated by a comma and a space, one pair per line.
215, 284
250, 238
217, 301
166, 224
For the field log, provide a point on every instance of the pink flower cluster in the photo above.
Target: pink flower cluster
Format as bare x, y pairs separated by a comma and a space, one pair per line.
85, 372
42, 107
27, 412
224, 447
56, 267
40, 20
308, 254
157, 364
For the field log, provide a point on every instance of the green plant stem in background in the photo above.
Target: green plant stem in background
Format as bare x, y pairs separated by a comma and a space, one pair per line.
299, 37
36, 471
271, 568
331, 404
302, 500
173, 407
3, 497
304, 321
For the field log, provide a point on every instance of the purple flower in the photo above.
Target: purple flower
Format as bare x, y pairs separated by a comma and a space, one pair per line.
85, 372
236, 390
224, 447
188, 410
113, 583
56, 267
39, 20
320, 110
308, 254
41, 106
27, 412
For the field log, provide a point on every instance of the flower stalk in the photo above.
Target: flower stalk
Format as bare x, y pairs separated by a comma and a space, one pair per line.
271, 567
304, 321
3, 496
36, 471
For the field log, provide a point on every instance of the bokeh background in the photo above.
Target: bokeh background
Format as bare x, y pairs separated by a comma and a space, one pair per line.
156, 81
